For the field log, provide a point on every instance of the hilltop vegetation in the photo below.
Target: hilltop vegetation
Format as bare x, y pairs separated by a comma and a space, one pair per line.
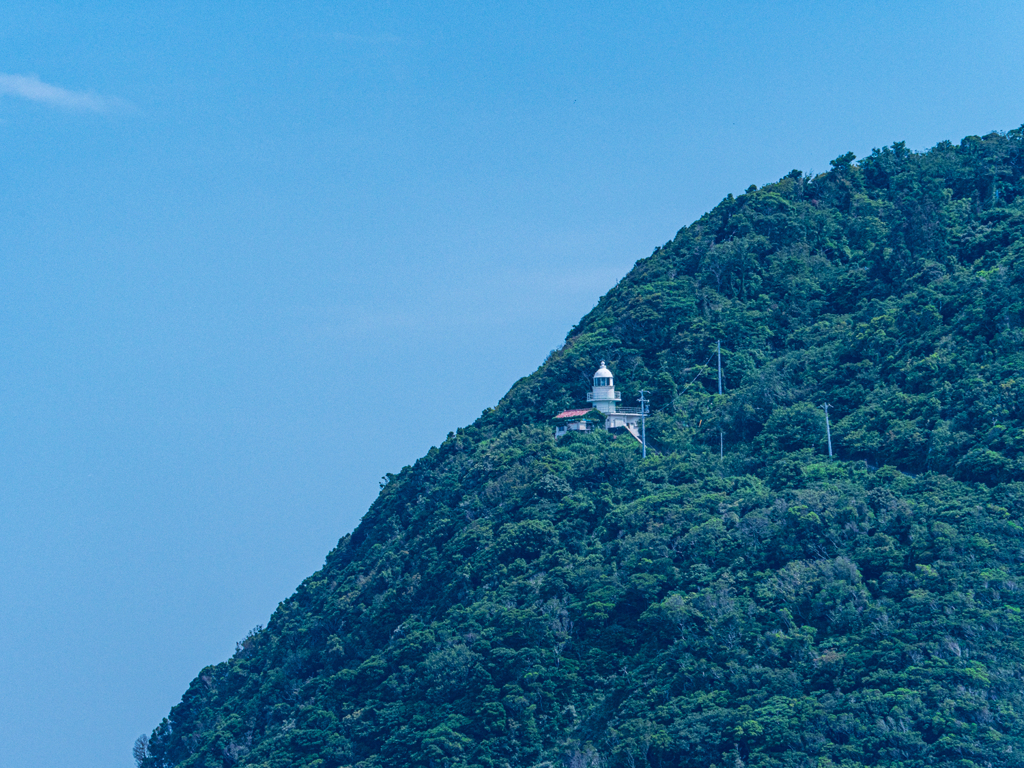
513, 601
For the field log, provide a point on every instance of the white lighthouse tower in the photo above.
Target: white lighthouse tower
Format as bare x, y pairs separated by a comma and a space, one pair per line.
603, 395
605, 399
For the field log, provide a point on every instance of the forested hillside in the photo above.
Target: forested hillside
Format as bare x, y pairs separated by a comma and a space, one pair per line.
511, 600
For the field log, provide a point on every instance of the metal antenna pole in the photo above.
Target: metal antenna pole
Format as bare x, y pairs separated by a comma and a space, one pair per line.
643, 420
828, 430
721, 436
719, 367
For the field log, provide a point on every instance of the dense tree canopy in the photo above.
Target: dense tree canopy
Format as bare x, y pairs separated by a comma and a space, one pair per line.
511, 600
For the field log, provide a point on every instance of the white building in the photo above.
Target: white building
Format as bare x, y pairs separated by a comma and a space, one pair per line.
605, 399
573, 421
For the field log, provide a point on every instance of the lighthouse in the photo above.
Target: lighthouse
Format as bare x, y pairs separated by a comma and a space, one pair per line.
603, 395
605, 400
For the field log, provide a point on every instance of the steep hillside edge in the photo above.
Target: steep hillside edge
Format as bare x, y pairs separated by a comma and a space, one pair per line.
510, 600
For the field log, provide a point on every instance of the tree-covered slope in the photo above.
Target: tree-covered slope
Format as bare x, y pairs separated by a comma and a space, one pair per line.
513, 601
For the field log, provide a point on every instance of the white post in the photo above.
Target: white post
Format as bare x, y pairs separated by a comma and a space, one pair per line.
828, 430
643, 421
719, 366
721, 436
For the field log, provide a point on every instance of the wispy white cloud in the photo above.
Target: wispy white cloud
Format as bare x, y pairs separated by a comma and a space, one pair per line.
32, 88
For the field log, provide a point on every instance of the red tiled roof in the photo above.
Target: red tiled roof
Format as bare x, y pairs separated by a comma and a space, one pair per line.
573, 414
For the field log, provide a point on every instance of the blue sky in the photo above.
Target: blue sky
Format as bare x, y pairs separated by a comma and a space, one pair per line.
254, 255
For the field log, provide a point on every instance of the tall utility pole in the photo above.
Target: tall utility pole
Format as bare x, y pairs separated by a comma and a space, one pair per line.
828, 430
719, 367
643, 420
721, 437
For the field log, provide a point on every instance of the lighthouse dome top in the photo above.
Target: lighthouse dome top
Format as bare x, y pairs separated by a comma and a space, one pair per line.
602, 372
